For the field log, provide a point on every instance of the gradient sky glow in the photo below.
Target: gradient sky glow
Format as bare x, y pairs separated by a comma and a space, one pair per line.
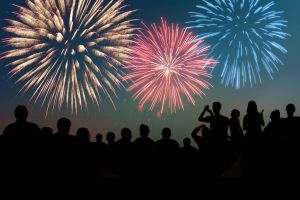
271, 95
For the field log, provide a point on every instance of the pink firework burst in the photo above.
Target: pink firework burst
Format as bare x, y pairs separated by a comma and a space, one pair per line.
166, 65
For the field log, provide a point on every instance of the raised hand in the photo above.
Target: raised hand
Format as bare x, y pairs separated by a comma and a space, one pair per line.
206, 108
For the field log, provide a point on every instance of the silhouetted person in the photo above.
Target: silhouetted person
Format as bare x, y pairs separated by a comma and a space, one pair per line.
110, 156
46, 132
110, 138
110, 148
46, 138
202, 141
98, 153
21, 138
99, 138
206, 164
273, 129
63, 126
143, 152
253, 122
290, 110
63, 137
188, 160
218, 123
99, 145
273, 148
21, 130
252, 155
144, 144
124, 145
166, 145
187, 148
292, 124
83, 135
236, 129
83, 154
292, 131
65, 152
166, 155
124, 152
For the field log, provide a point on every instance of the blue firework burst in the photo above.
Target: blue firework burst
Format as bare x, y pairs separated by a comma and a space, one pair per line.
245, 37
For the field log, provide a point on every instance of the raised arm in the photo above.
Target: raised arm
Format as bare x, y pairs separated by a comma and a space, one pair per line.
195, 136
202, 118
195, 132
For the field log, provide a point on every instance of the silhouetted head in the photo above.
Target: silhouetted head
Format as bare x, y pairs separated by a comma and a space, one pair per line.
205, 131
275, 115
63, 126
235, 113
110, 137
46, 131
216, 107
21, 113
290, 110
144, 130
126, 134
83, 135
99, 137
252, 107
166, 133
187, 142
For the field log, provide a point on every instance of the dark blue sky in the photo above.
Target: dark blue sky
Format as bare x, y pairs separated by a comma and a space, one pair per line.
272, 94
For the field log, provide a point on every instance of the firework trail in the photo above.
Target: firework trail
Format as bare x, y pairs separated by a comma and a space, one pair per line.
246, 36
166, 64
69, 51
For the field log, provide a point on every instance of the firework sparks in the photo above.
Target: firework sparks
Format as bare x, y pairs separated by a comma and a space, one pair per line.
246, 36
166, 64
69, 51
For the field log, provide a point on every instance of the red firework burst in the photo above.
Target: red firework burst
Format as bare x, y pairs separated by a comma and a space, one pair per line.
166, 64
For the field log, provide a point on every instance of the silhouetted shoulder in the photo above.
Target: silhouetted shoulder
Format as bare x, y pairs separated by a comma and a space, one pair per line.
34, 127
8, 129
297, 119
146, 141
225, 118
21, 128
205, 119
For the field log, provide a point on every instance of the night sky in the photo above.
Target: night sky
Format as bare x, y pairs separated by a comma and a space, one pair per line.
270, 95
